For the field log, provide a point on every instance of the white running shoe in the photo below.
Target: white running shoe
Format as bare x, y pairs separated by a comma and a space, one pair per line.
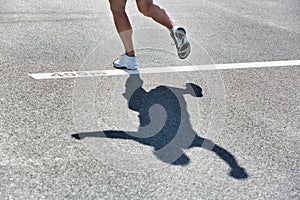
182, 43
126, 62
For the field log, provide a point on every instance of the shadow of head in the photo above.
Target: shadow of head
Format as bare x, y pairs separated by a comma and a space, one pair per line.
182, 160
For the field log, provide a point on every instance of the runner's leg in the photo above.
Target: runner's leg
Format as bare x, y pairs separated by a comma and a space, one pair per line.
122, 24
178, 34
149, 9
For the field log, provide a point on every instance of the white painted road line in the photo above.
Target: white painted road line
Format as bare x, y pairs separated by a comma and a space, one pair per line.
153, 70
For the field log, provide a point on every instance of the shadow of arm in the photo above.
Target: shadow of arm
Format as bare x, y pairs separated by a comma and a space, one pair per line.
103, 134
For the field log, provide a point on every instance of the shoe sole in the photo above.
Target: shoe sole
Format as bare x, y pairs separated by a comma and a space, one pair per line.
123, 67
184, 51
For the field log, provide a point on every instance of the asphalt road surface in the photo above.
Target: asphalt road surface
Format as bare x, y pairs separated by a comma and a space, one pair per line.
203, 133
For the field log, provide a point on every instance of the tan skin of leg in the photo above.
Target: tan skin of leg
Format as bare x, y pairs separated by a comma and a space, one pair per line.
149, 9
122, 23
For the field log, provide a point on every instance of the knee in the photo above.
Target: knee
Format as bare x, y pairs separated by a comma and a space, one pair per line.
145, 10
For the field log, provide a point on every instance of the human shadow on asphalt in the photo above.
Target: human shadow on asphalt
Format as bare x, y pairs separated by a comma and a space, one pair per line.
165, 125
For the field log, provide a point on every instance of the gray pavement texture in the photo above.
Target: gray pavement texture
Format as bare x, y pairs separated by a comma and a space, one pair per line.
39, 158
